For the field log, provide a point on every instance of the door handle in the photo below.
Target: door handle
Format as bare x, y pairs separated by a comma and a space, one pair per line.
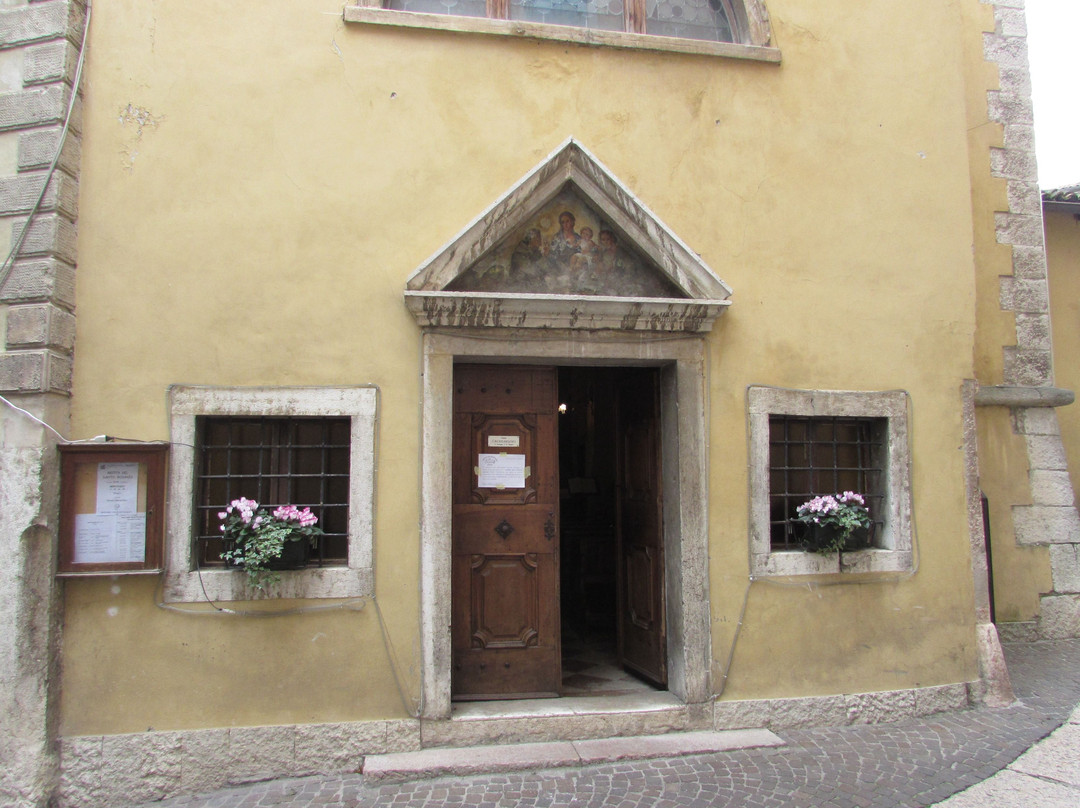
549, 526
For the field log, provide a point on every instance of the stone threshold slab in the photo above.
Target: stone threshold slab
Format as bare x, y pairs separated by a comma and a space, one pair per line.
566, 706
444, 761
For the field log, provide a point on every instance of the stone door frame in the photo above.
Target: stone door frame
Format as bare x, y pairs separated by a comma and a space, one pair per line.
684, 434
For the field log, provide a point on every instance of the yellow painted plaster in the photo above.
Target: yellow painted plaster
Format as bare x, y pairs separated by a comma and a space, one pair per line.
297, 170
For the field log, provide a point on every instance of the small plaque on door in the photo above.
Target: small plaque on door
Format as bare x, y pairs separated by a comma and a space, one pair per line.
504, 441
501, 471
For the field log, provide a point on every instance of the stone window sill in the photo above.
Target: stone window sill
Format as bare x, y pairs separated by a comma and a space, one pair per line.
560, 33
874, 559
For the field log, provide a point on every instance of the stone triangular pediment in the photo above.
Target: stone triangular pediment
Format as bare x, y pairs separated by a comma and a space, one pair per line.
568, 246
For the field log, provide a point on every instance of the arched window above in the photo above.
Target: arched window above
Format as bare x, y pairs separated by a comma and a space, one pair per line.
738, 28
688, 19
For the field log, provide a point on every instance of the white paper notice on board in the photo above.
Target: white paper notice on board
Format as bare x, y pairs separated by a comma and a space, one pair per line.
502, 471
117, 487
109, 538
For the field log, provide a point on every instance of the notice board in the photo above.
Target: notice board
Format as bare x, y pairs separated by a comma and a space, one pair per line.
112, 507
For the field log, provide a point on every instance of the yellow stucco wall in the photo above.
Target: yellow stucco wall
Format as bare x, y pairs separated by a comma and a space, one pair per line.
259, 180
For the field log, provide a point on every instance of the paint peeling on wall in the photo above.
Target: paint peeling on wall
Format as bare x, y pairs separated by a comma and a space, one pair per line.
138, 118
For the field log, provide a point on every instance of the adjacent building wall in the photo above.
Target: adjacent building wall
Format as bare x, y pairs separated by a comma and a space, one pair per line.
1062, 230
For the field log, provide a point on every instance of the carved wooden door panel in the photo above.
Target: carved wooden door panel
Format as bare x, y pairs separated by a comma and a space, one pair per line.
505, 566
642, 635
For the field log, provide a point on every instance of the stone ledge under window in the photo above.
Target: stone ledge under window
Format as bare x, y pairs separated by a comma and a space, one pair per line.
560, 33
793, 562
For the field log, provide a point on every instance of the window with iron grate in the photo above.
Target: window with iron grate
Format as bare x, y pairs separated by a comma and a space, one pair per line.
275, 461
813, 456
807, 443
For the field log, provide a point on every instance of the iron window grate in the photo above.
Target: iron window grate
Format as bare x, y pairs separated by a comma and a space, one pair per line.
275, 461
814, 455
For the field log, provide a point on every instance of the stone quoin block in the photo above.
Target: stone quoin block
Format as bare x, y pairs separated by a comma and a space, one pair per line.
1065, 568
1046, 451
1010, 21
40, 326
1005, 51
1024, 197
1045, 524
1017, 228
1024, 295
1033, 331
1029, 262
19, 194
1037, 421
1006, 108
35, 107
35, 22
1020, 136
1051, 487
46, 279
37, 149
35, 372
1015, 80
1032, 368
51, 62
49, 234
1059, 617
1012, 164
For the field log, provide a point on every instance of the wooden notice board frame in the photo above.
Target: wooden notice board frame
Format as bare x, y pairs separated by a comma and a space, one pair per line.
104, 488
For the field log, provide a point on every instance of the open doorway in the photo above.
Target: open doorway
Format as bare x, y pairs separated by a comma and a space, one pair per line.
682, 378
608, 459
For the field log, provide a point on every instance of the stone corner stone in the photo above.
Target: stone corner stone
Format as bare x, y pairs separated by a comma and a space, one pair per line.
1046, 524
941, 698
1059, 617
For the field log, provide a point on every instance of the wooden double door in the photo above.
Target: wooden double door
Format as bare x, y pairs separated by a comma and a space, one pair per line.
506, 622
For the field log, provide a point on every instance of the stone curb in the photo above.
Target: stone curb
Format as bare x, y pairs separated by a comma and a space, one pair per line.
439, 762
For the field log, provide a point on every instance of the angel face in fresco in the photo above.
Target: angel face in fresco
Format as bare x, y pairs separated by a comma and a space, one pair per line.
587, 250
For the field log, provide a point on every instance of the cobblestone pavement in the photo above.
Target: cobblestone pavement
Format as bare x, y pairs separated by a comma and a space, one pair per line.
910, 763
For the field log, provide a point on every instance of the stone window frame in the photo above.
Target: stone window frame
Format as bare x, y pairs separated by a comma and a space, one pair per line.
750, 23
893, 552
184, 583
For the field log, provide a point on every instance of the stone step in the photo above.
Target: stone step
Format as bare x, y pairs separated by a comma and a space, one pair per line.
567, 719
461, 761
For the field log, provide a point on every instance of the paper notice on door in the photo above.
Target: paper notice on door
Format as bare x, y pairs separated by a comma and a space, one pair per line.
117, 487
501, 471
109, 538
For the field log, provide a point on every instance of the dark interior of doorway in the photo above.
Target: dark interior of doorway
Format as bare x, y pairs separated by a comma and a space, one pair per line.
588, 549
